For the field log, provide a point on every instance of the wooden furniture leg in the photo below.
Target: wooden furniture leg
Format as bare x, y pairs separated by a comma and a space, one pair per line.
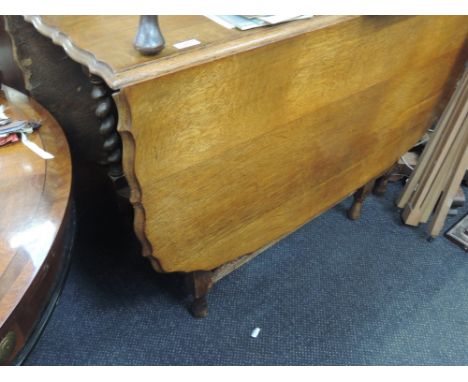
380, 187
360, 195
199, 284
106, 112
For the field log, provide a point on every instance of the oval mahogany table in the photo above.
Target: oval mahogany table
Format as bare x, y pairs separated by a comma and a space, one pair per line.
35, 228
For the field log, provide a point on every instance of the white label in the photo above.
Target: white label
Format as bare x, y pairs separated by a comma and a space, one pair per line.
35, 148
2, 112
186, 44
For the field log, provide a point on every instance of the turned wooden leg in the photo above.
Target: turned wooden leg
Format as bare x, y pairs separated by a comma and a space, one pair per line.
106, 112
354, 212
380, 187
199, 284
381, 183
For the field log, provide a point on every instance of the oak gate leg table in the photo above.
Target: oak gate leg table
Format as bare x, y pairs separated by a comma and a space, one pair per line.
233, 143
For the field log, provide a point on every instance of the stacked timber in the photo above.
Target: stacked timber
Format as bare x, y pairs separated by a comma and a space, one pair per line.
429, 192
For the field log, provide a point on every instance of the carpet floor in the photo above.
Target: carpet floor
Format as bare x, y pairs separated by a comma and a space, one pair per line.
335, 292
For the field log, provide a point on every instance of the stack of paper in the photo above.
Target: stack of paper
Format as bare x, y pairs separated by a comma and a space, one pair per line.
254, 21
15, 127
10, 130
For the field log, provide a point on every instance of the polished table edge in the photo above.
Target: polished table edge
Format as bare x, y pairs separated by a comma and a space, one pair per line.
60, 168
21, 318
76, 53
177, 62
57, 288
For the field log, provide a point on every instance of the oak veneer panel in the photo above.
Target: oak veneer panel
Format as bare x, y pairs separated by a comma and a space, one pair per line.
233, 100
91, 33
226, 157
104, 43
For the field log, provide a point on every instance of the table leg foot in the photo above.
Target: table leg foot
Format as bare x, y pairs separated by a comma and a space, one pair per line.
199, 307
360, 195
354, 211
199, 284
381, 186
381, 183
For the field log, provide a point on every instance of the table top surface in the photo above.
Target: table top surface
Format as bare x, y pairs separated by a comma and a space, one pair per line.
105, 43
35, 195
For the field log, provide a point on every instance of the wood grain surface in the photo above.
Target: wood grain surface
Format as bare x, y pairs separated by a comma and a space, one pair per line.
105, 43
35, 197
236, 142
226, 157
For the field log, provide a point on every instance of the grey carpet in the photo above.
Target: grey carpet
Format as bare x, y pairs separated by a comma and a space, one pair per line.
335, 292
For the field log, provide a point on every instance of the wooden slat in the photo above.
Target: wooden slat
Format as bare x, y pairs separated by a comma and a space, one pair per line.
443, 176
444, 204
428, 153
435, 181
431, 175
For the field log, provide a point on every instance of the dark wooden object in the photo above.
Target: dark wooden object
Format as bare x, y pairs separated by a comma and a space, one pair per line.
149, 39
199, 284
10, 73
380, 187
65, 90
377, 186
359, 196
34, 226
106, 112
61, 86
